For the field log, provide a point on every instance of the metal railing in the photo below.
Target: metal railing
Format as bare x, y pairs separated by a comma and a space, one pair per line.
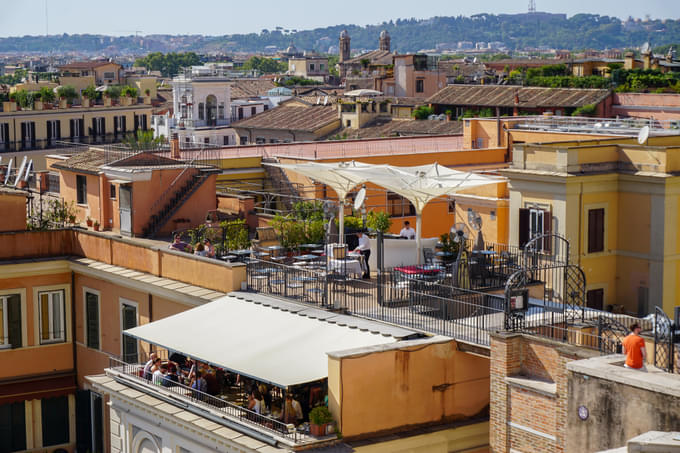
417, 302
617, 126
253, 420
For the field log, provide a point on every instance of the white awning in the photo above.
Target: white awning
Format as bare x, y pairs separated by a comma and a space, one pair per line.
267, 344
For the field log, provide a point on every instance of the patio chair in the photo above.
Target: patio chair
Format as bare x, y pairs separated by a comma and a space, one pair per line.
428, 256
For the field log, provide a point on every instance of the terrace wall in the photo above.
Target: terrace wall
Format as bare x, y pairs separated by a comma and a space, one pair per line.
389, 388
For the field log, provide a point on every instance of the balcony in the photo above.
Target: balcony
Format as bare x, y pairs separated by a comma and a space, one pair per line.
217, 409
197, 124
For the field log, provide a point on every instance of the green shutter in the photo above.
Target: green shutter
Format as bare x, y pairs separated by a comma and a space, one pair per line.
92, 314
12, 427
14, 320
55, 418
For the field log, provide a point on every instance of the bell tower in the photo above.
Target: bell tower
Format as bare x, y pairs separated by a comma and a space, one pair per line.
344, 46
385, 40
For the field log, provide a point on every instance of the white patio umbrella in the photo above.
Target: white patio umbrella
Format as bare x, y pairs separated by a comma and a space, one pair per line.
424, 183
340, 176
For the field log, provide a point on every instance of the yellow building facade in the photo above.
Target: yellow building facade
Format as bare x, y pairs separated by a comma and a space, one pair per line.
617, 203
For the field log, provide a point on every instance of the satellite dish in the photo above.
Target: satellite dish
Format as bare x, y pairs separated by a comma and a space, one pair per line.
359, 200
643, 135
325, 100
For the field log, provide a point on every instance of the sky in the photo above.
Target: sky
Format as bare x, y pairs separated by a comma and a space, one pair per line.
221, 17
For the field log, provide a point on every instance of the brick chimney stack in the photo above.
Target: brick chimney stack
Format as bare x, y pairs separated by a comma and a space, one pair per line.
174, 147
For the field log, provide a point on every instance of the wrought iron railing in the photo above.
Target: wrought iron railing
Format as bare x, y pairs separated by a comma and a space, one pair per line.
252, 420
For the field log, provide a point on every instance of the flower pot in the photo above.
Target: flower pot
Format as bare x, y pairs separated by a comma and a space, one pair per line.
89, 222
86, 102
96, 227
318, 430
9, 106
107, 101
62, 103
38, 105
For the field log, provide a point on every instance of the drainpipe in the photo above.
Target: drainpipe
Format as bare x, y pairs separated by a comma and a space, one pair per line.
498, 127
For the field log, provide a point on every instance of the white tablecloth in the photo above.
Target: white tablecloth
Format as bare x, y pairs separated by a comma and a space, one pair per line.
350, 267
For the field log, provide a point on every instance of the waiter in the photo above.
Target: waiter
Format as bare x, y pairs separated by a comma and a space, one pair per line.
407, 232
364, 248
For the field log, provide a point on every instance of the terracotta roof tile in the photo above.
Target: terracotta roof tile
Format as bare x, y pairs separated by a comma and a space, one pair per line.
504, 96
250, 88
293, 117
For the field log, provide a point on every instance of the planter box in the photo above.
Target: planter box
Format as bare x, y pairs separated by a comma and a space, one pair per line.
63, 104
38, 105
9, 106
147, 100
125, 101
86, 102
107, 101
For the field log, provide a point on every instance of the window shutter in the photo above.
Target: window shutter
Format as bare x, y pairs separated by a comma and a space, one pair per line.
547, 229
58, 129
93, 132
23, 134
523, 227
72, 127
595, 230
14, 321
55, 421
83, 421
50, 124
81, 129
102, 123
6, 134
32, 134
123, 123
92, 313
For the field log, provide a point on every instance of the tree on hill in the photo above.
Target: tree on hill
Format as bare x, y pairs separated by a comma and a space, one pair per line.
168, 64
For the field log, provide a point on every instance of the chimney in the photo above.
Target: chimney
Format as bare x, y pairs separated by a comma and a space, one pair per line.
174, 147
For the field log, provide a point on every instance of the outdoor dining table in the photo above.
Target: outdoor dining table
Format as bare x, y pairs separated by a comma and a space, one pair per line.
241, 254
310, 246
275, 249
228, 258
307, 257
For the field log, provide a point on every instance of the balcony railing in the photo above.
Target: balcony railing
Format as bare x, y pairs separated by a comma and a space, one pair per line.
133, 374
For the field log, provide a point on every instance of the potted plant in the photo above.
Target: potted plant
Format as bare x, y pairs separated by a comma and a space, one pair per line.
96, 225
88, 220
89, 96
319, 420
72, 219
446, 244
37, 101
147, 92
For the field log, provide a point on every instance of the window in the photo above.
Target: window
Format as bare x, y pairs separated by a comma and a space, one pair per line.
225, 140
452, 206
12, 427
109, 75
81, 189
92, 320
4, 136
596, 230
243, 140
10, 322
348, 123
98, 127
420, 86
27, 134
398, 206
76, 127
533, 223
206, 140
253, 111
112, 191
55, 416
260, 140
53, 130
240, 113
311, 66
595, 298
220, 111
383, 107
52, 327
128, 321
119, 125
201, 111
321, 66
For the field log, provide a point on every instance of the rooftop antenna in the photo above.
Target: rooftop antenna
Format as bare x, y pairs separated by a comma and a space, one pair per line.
532, 6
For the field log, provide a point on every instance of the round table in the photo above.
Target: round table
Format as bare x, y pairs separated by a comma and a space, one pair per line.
241, 254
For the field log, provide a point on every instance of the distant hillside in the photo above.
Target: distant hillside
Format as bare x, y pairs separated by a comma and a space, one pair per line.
516, 31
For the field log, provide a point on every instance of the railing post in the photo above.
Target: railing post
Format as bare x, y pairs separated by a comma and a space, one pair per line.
380, 262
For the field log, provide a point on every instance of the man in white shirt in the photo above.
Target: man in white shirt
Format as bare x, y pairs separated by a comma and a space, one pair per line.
364, 248
407, 232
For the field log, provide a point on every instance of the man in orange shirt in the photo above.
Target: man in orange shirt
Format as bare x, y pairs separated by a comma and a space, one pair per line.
634, 348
